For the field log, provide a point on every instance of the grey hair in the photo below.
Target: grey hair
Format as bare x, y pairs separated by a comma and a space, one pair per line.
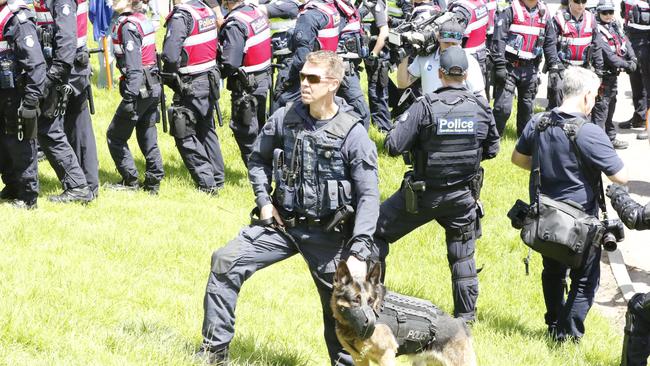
332, 62
579, 81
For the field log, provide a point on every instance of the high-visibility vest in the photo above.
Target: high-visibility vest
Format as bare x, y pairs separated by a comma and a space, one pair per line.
147, 33
257, 49
44, 18
201, 44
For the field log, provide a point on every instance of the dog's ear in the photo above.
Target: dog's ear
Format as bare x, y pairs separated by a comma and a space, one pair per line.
343, 276
374, 274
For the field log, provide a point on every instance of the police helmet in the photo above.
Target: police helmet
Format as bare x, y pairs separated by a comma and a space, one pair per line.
604, 5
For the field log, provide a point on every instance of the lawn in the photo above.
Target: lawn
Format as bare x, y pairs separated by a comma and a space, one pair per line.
121, 281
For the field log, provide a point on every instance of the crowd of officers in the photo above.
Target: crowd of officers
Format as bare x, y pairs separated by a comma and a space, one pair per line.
260, 49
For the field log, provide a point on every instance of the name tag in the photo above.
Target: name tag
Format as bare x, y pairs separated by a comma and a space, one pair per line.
207, 24
456, 126
481, 11
259, 25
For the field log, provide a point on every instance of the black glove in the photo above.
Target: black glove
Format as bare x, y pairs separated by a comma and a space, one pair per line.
500, 75
614, 190
631, 66
172, 82
372, 60
555, 78
28, 113
130, 109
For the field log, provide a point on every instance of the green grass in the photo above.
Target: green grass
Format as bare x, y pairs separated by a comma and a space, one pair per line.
121, 281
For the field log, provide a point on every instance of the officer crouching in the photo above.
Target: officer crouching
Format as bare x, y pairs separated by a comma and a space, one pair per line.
22, 73
447, 133
134, 39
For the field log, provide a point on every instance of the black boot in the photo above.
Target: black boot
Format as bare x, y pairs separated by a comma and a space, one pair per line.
123, 186
81, 194
634, 122
208, 356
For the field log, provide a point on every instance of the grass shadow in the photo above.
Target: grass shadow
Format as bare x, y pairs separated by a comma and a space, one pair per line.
509, 324
249, 350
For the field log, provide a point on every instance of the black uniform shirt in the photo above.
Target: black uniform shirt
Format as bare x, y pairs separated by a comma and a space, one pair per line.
179, 27
285, 9
360, 157
131, 63
502, 29
611, 59
233, 37
404, 137
20, 33
64, 13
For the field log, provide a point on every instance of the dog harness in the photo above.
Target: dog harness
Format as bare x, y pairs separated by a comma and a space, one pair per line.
413, 321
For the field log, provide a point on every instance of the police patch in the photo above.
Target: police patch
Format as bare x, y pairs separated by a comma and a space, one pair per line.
29, 41
129, 46
337, 19
207, 24
259, 25
402, 117
65, 9
464, 125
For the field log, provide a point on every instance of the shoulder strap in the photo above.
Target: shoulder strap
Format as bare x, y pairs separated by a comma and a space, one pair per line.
543, 122
342, 124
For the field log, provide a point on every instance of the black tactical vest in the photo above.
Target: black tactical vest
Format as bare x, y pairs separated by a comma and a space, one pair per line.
448, 151
322, 182
413, 322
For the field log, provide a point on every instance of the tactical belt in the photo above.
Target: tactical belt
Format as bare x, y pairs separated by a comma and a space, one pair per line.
518, 62
291, 222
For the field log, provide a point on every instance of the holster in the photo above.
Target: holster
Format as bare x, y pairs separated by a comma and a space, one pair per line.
56, 101
411, 189
244, 109
150, 80
182, 121
341, 217
7, 74
476, 184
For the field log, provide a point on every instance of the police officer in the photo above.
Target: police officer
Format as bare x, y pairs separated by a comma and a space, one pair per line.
22, 72
522, 35
190, 69
64, 129
447, 134
563, 177
282, 16
617, 54
576, 29
319, 147
636, 344
245, 60
637, 27
332, 25
375, 22
474, 16
133, 38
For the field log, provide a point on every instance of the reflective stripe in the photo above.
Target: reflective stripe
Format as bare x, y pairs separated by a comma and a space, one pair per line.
4, 46
195, 39
491, 5
582, 41
44, 17
197, 68
82, 8
81, 41
520, 53
328, 32
525, 29
149, 39
257, 39
638, 26
352, 26
258, 67
574, 62
476, 25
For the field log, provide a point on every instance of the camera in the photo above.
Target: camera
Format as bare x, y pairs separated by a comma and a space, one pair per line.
417, 36
518, 213
614, 233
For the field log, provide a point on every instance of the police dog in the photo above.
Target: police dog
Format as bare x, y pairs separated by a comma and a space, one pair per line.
364, 328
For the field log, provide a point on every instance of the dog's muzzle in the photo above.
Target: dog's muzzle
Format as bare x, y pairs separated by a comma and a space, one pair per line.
362, 319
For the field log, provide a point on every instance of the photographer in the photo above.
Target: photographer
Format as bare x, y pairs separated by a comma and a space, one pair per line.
636, 344
426, 66
565, 178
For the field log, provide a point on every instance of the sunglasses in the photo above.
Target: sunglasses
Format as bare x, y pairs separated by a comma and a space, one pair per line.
580, 1
452, 35
312, 78
607, 12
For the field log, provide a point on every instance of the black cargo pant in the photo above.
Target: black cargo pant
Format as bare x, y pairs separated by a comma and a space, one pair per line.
121, 129
603, 110
636, 345
455, 210
255, 248
523, 79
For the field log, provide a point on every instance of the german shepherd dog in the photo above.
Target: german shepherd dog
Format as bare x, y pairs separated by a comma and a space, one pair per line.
451, 345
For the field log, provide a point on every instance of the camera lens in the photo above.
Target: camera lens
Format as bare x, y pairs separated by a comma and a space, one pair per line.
609, 242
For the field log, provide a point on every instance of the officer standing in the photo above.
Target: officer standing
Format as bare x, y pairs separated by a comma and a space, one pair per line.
375, 23
65, 131
245, 60
636, 344
637, 28
617, 54
134, 45
522, 34
319, 147
23, 73
282, 16
563, 177
190, 69
447, 133
473, 15
576, 29
332, 25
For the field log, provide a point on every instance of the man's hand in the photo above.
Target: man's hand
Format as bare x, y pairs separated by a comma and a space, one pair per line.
269, 211
129, 107
631, 66
358, 269
500, 75
615, 189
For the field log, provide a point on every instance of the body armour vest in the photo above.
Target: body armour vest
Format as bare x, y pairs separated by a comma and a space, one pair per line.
322, 180
615, 39
491, 6
147, 35
526, 34
328, 36
257, 49
7, 11
637, 14
574, 38
44, 18
476, 30
448, 151
200, 46
413, 322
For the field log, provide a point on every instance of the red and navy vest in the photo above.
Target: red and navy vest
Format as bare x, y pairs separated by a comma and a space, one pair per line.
257, 50
200, 46
577, 37
527, 27
328, 37
642, 7
7, 11
476, 30
44, 18
147, 34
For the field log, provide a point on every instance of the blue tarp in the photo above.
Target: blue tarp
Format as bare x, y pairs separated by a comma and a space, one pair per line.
100, 14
